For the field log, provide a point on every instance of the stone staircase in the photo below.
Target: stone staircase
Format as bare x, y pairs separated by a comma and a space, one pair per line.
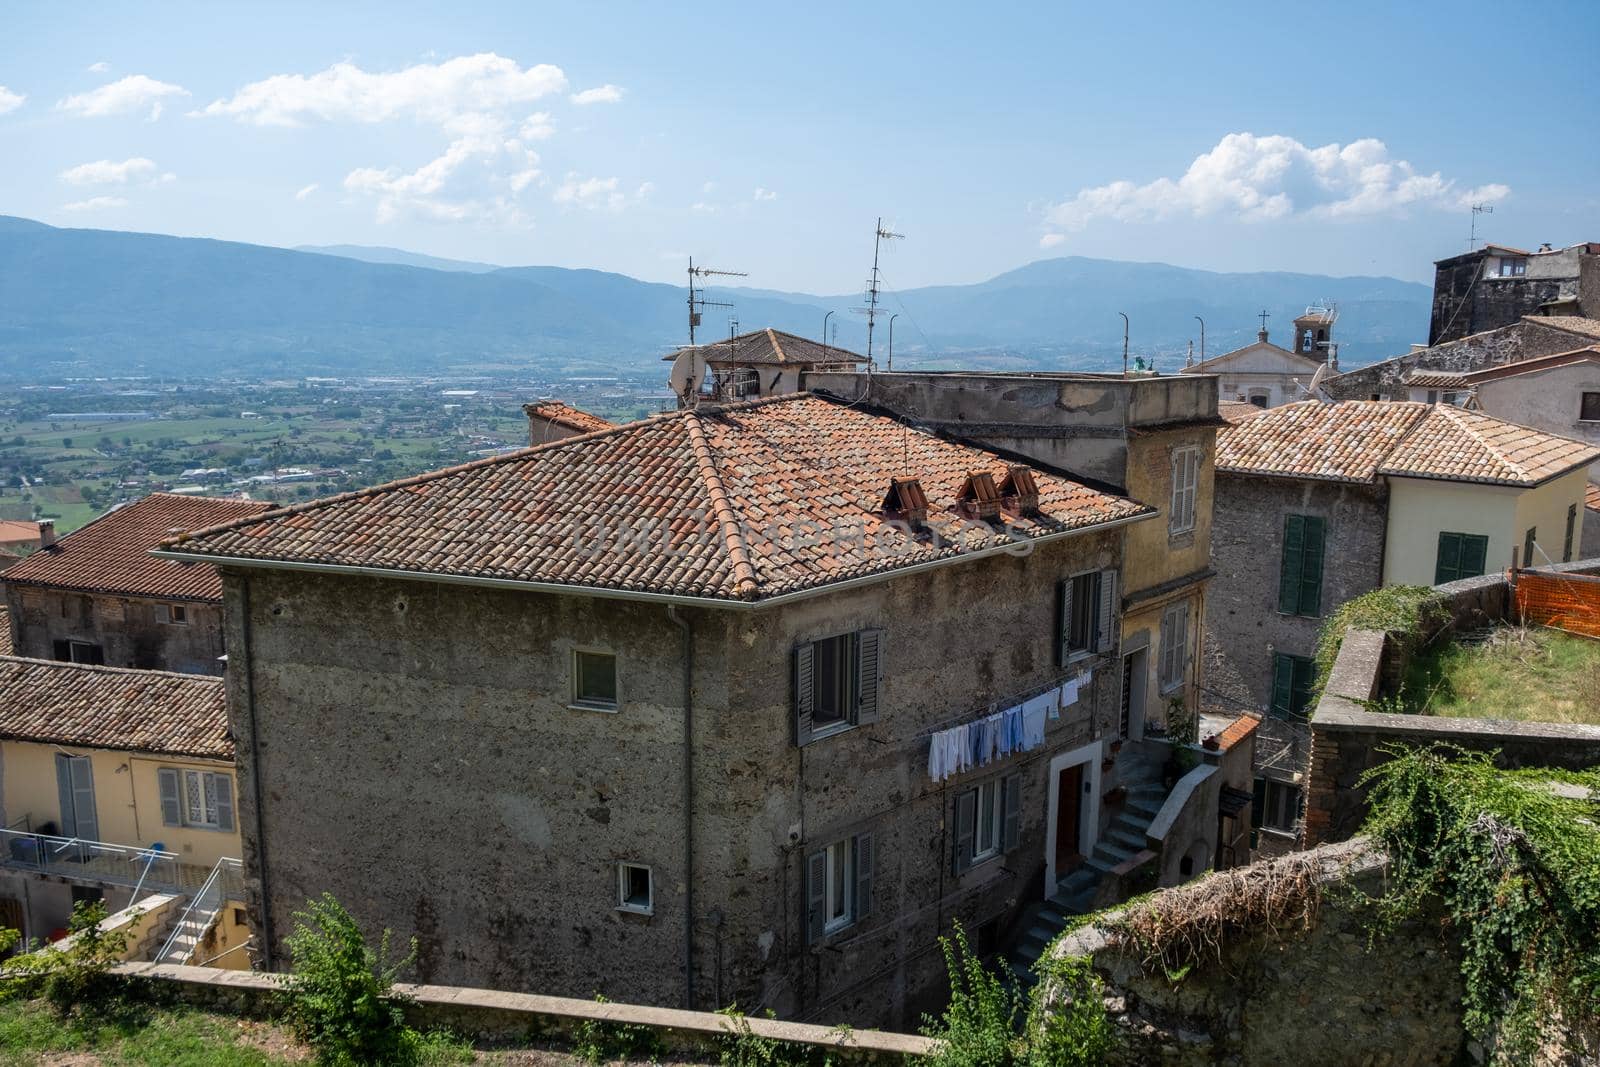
187, 933
1075, 894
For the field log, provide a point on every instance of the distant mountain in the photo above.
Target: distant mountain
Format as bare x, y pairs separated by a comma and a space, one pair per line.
107, 302
398, 257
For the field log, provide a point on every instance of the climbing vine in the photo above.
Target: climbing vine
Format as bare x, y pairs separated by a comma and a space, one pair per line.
1514, 859
1409, 611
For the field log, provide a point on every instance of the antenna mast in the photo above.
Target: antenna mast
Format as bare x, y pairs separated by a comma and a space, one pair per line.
698, 303
873, 286
1472, 235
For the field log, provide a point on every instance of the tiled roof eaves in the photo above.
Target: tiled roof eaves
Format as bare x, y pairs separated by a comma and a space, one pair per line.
1295, 476
1515, 483
112, 590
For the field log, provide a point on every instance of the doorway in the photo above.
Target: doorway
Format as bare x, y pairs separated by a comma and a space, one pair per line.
1069, 791
1135, 669
1074, 813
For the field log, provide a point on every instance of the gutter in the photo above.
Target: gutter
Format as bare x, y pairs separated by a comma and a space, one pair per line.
564, 589
688, 804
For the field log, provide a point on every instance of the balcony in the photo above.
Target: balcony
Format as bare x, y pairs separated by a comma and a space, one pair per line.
72, 859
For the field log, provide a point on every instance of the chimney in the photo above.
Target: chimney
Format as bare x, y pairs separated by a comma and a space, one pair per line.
47, 533
907, 502
1019, 492
979, 499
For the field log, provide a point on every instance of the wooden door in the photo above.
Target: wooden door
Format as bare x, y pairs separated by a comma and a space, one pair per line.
1069, 798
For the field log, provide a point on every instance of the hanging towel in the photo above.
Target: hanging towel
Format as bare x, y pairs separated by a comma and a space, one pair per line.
1010, 731
1033, 717
1069, 693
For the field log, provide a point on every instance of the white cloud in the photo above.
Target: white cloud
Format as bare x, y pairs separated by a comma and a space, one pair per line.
96, 203
10, 101
593, 193
125, 96
700, 207
99, 68
105, 172
538, 126
765, 194
305, 191
1050, 240
600, 94
456, 94
475, 178
708, 188
1260, 178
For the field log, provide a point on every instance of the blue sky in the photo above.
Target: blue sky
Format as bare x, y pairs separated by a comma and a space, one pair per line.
1339, 139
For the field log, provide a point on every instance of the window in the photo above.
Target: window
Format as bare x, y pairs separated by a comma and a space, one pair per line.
1589, 408
1087, 608
1300, 572
594, 680
1292, 680
1572, 527
1174, 647
1259, 399
75, 788
79, 652
172, 614
1276, 806
988, 821
1460, 556
199, 799
838, 886
1185, 479
1513, 268
1529, 540
634, 890
836, 683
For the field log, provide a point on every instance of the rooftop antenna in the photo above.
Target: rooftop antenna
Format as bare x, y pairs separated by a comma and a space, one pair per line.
1472, 234
874, 287
699, 303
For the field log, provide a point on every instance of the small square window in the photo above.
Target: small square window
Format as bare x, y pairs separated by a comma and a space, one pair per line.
1589, 409
594, 680
634, 889
175, 614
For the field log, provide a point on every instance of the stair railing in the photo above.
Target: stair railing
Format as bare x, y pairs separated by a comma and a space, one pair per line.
208, 898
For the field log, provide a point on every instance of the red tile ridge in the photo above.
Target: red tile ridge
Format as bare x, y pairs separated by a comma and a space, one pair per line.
772, 336
744, 572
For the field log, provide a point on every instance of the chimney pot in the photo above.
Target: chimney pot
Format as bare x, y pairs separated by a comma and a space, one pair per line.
978, 498
907, 502
1019, 492
47, 533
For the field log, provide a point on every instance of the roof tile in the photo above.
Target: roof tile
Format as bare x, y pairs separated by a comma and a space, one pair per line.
772, 346
567, 415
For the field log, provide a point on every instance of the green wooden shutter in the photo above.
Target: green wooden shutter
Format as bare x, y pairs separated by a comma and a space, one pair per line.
1011, 807
1448, 567
862, 845
869, 673
816, 896
1311, 567
1474, 555
224, 801
1289, 570
1305, 678
171, 811
1572, 522
1528, 540
1282, 683
966, 818
805, 692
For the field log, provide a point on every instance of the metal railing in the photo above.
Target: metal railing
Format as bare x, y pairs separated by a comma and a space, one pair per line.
78, 860
225, 882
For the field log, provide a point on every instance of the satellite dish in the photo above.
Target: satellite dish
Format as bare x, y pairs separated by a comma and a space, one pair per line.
1316, 379
688, 371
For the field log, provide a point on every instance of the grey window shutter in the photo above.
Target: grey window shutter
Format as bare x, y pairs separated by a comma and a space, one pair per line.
83, 811
869, 674
966, 828
1011, 800
1106, 637
863, 862
816, 896
69, 824
224, 802
171, 811
805, 692
1063, 621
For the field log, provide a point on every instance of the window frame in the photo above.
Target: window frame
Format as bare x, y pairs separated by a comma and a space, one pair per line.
1296, 561
838, 886
1571, 533
1588, 405
1464, 541
1003, 822
223, 786
172, 614
1185, 490
991, 824
624, 902
1174, 647
843, 650
1280, 811
1530, 541
861, 678
577, 701
1101, 622
1302, 682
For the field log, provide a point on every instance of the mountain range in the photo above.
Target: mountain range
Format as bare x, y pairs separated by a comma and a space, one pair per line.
111, 302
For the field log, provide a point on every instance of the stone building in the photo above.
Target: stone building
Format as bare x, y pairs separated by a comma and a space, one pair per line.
766, 363
650, 712
551, 420
97, 596
1268, 375
1494, 286
1558, 393
1317, 503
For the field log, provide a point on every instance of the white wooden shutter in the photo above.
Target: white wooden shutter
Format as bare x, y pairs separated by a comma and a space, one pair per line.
816, 896
1106, 621
224, 801
862, 844
88, 824
171, 810
1011, 805
869, 674
966, 828
805, 692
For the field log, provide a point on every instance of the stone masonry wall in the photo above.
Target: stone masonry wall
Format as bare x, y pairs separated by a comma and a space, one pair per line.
1490, 348
127, 629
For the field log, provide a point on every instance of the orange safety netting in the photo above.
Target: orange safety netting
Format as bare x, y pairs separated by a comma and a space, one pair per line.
1563, 601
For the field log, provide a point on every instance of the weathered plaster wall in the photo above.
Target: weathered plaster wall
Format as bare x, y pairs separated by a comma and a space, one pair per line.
1421, 508
1547, 400
125, 628
1247, 548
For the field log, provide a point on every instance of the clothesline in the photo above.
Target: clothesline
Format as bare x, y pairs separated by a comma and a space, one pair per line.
1083, 677
1019, 728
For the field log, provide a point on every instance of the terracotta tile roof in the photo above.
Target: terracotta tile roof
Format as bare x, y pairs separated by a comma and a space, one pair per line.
739, 503
1358, 440
5, 631
772, 346
113, 707
1237, 731
1591, 497
1570, 323
18, 531
566, 415
1436, 379
1234, 411
111, 554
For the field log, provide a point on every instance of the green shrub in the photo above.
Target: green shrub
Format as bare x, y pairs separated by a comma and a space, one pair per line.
979, 1025
739, 1046
74, 976
599, 1041
1407, 611
340, 998
1067, 1024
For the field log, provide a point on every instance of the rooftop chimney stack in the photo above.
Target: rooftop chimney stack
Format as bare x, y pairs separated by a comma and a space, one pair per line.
979, 499
907, 502
47, 533
1019, 493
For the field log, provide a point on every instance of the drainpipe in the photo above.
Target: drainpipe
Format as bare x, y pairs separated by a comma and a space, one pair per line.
267, 940
688, 804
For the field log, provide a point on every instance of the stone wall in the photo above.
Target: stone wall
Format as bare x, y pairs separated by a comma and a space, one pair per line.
129, 631
1527, 339
1325, 995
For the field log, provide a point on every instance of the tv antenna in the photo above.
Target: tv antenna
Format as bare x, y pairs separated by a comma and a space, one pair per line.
874, 286
697, 304
1472, 234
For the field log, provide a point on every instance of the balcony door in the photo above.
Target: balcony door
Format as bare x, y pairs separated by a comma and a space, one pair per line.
75, 784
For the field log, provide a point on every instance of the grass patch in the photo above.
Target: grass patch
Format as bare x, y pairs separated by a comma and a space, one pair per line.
1524, 674
30, 1032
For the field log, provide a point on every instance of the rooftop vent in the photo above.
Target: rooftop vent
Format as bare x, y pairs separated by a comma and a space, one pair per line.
1019, 492
906, 501
979, 499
